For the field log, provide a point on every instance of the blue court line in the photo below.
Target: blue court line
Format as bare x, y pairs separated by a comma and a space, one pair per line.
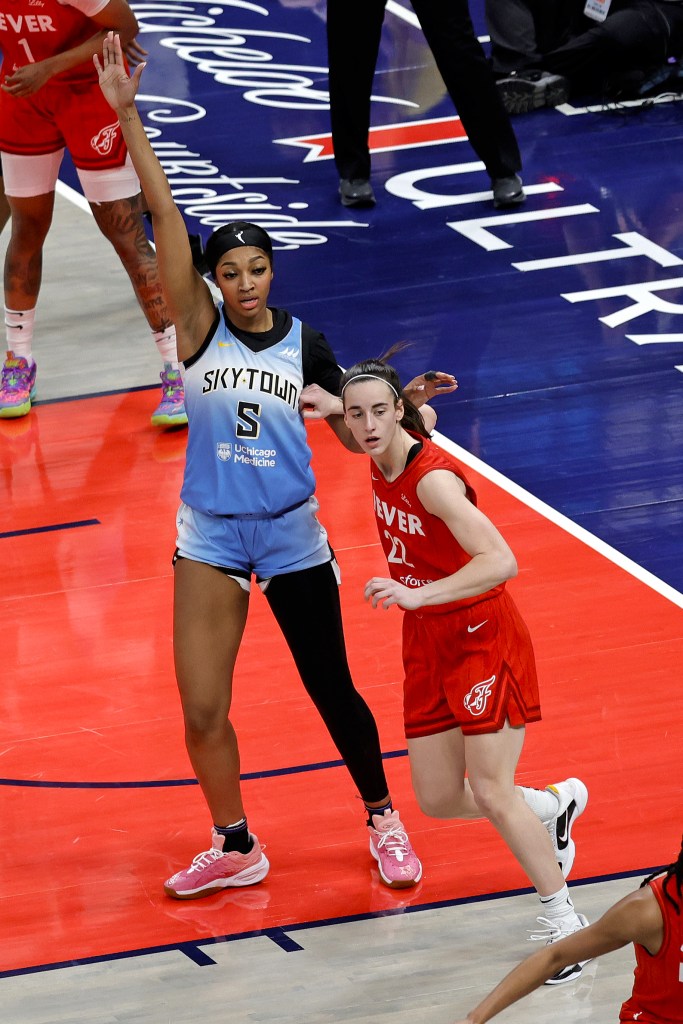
49, 529
280, 938
278, 934
160, 783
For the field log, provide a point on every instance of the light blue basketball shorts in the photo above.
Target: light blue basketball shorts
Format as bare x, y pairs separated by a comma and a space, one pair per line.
264, 548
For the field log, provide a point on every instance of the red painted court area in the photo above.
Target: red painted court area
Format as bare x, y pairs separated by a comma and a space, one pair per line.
91, 715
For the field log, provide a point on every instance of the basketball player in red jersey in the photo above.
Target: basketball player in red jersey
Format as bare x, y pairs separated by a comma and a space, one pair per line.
470, 677
651, 918
50, 100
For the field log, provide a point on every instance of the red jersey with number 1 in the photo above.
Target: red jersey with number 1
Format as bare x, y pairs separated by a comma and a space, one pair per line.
658, 984
419, 547
33, 30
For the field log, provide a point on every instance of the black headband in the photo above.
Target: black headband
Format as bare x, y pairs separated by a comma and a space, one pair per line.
233, 236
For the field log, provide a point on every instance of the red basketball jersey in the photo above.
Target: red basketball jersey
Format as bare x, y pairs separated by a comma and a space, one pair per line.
419, 547
657, 996
32, 30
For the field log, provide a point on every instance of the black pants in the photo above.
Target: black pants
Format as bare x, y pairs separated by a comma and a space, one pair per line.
637, 34
307, 608
354, 29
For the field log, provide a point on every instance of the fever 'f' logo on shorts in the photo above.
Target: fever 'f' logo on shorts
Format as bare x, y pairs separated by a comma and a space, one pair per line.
103, 142
476, 700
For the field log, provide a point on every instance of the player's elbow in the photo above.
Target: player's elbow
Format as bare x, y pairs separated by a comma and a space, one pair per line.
428, 418
509, 567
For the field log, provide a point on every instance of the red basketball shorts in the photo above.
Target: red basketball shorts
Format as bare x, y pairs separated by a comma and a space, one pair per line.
72, 115
472, 669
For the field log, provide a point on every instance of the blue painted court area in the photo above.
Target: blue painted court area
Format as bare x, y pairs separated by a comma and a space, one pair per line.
561, 319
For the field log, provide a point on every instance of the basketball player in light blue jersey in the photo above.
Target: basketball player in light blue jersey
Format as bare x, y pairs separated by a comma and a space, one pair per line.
248, 509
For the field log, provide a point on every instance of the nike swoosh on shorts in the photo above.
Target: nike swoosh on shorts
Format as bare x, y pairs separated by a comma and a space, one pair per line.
473, 629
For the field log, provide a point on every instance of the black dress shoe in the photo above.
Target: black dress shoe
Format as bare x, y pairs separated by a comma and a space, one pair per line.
356, 192
507, 191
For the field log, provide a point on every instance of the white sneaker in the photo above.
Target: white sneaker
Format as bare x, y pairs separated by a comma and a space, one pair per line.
553, 932
573, 797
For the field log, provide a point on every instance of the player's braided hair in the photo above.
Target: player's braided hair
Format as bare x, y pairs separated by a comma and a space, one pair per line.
379, 367
674, 871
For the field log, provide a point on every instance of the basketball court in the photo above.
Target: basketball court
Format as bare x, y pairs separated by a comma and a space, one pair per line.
568, 417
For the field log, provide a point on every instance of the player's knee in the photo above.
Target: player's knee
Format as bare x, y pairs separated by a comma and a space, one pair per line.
491, 797
439, 801
204, 725
121, 223
28, 233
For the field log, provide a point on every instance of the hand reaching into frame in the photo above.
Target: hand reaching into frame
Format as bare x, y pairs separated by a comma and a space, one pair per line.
317, 404
134, 53
118, 88
427, 385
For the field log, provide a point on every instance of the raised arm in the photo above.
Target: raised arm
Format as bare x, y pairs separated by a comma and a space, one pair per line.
187, 294
636, 918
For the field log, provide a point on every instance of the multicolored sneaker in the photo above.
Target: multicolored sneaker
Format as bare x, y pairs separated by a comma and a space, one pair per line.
553, 932
573, 797
399, 866
171, 409
17, 386
212, 871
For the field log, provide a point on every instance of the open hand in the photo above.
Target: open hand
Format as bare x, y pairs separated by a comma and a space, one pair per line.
118, 88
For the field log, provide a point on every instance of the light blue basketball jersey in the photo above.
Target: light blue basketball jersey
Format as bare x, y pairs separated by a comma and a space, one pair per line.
247, 451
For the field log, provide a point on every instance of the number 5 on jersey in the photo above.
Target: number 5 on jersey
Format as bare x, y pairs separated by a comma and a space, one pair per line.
248, 425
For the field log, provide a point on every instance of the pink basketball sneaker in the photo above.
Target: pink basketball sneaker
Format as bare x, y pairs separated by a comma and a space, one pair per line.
399, 866
213, 870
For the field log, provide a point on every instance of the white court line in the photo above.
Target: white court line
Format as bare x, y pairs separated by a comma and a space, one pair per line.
411, 17
600, 108
73, 196
591, 541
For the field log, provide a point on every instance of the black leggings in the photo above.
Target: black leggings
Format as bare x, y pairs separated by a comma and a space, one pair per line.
307, 609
